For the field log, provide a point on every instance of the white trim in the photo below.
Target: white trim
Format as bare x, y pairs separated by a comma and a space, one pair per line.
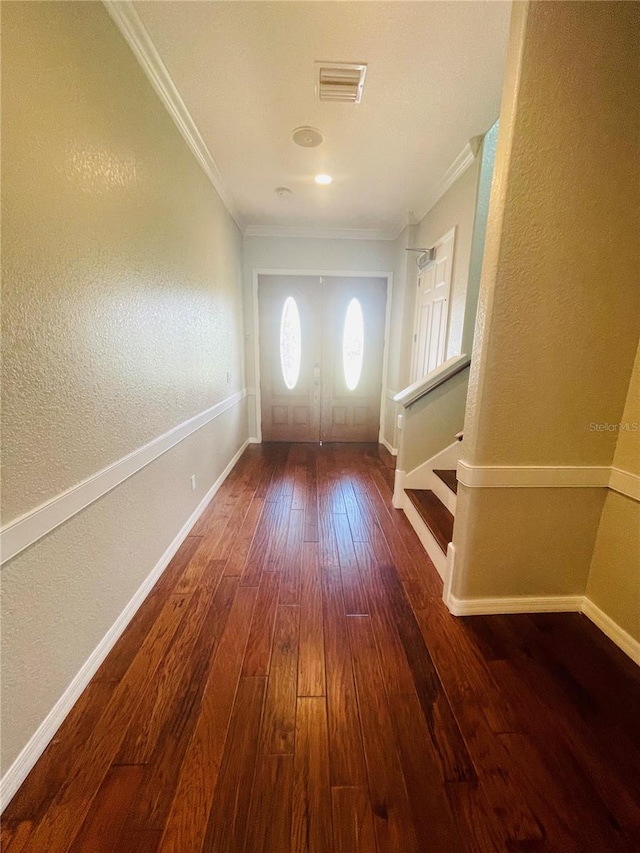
22, 766
421, 476
392, 450
532, 476
426, 537
33, 525
459, 166
320, 233
625, 483
629, 645
398, 489
449, 574
127, 20
548, 477
440, 489
256, 272
516, 604
438, 376
541, 604
253, 439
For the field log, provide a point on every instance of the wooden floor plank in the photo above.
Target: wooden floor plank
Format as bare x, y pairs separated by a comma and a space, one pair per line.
61, 822
391, 811
311, 662
269, 823
390, 649
187, 821
258, 652
355, 599
244, 710
433, 819
226, 830
311, 802
279, 719
345, 739
150, 713
352, 817
290, 559
236, 560
56, 762
103, 826
156, 791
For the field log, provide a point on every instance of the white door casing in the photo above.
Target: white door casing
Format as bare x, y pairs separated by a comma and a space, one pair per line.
431, 321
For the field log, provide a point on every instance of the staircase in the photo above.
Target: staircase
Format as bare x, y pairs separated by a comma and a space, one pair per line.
429, 502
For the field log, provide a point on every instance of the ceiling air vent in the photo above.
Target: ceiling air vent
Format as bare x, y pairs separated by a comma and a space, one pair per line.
340, 81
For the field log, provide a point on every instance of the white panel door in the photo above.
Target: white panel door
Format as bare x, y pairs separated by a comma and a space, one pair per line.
432, 310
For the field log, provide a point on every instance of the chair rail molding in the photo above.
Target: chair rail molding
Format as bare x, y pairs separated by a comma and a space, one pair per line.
33, 525
549, 477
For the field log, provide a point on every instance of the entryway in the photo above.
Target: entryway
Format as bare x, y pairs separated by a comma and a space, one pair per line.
321, 357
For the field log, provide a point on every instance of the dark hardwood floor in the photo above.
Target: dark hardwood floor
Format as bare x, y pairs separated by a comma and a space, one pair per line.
295, 683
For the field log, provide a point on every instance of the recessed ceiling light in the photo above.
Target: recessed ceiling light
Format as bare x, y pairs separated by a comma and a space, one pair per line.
323, 179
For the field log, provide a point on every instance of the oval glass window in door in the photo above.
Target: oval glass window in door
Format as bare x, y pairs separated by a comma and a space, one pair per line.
353, 344
290, 342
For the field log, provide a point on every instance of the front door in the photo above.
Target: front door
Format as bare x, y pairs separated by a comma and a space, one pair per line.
321, 352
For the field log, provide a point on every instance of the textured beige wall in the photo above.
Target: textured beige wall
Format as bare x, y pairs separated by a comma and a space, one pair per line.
560, 304
61, 596
431, 424
122, 311
533, 542
614, 580
121, 267
627, 455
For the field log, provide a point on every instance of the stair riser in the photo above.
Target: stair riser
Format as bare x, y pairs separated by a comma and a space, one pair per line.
435, 552
439, 488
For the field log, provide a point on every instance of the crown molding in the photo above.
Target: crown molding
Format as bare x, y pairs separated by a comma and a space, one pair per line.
459, 166
318, 233
127, 20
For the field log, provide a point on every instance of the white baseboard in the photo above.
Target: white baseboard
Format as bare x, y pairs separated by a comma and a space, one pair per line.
253, 439
544, 604
629, 645
430, 545
516, 604
398, 489
392, 450
22, 766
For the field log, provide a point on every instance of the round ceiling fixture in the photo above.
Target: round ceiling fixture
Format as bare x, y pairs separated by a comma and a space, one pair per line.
282, 192
323, 179
307, 137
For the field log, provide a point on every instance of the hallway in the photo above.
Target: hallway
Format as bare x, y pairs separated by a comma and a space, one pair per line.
294, 682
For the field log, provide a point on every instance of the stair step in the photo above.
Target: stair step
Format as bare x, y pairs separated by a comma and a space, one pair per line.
449, 478
434, 514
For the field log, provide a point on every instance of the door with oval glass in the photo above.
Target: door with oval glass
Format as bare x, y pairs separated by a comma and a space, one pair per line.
321, 354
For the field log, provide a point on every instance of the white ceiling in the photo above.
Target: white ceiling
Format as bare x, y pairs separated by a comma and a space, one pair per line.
245, 71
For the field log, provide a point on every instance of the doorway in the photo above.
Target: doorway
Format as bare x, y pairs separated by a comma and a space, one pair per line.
431, 323
321, 357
